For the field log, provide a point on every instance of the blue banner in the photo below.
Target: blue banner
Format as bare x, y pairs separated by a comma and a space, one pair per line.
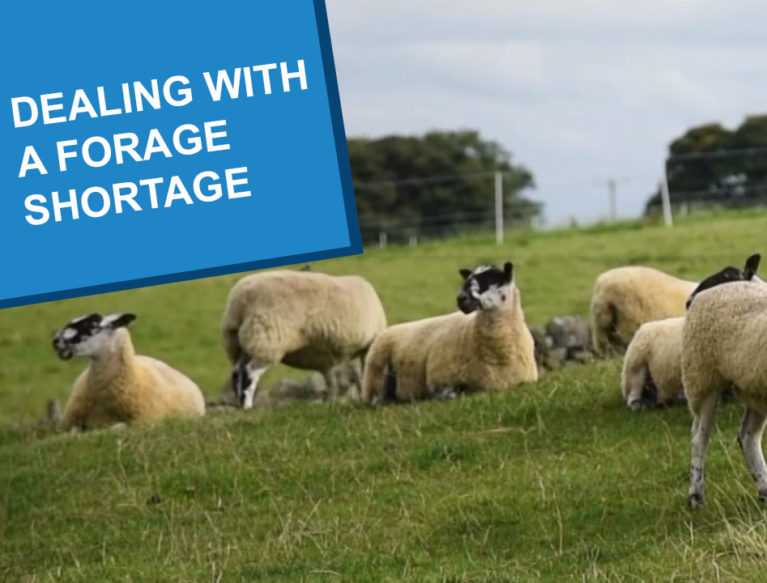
152, 142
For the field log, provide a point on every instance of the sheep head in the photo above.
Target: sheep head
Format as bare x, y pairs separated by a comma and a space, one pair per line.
727, 275
88, 335
485, 287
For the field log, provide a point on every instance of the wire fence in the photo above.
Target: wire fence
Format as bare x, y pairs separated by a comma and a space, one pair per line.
500, 211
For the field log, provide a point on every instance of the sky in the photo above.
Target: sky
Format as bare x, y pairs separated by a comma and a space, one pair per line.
580, 91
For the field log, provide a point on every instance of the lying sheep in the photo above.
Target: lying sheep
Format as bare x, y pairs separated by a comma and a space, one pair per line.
485, 346
626, 297
652, 366
303, 319
652, 370
120, 386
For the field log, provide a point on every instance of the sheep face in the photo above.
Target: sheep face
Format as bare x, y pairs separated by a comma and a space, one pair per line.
88, 335
728, 274
485, 288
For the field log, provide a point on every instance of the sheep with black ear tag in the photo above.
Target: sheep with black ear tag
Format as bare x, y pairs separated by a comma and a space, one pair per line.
120, 386
484, 346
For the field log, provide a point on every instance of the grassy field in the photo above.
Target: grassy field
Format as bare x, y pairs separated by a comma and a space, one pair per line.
552, 481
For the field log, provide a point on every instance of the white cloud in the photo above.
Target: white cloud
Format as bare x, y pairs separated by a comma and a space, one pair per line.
578, 91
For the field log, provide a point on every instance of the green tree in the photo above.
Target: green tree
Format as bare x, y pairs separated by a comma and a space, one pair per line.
710, 164
435, 184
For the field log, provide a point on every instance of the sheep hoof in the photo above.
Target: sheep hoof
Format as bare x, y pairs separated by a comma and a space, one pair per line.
446, 393
695, 501
762, 496
641, 404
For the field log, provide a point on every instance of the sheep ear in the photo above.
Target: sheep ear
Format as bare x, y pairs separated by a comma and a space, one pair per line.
508, 269
115, 321
465, 273
752, 264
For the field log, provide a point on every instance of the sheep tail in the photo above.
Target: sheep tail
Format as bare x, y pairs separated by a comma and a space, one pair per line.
636, 383
232, 346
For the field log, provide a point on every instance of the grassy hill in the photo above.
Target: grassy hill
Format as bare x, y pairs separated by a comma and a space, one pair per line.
552, 481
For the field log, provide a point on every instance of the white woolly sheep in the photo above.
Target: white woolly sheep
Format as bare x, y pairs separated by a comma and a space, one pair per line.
723, 347
652, 367
624, 298
485, 346
120, 386
305, 319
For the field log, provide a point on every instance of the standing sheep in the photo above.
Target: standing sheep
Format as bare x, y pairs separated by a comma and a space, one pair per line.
723, 345
303, 319
120, 386
624, 298
652, 366
485, 346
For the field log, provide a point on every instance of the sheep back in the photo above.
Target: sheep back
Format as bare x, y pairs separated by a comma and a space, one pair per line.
304, 319
656, 348
627, 297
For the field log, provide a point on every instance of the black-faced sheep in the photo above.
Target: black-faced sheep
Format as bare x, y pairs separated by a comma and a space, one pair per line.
652, 365
485, 346
727, 275
722, 351
120, 386
722, 346
306, 319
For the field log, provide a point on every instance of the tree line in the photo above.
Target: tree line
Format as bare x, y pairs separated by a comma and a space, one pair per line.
710, 164
435, 184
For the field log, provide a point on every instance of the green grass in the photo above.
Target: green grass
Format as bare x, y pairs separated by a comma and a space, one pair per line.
552, 481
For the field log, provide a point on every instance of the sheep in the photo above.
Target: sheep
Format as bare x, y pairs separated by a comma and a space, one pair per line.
120, 386
652, 370
652, 365
306, 319
484, 346
624, 298
722, 345
722, 349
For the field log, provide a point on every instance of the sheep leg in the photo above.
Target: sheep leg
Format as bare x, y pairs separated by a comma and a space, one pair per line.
356, 376
248, 375
750, 440
332, 383
702, 423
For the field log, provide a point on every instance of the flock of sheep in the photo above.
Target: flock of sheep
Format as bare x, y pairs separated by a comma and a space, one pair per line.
684, 341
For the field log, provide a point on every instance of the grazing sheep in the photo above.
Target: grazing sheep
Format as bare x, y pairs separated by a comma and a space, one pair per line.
624, 298
485, 346
652, 369
303, 319
652, 366
120, 386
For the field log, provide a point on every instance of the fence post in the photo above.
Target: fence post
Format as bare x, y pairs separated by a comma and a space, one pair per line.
665, 198
498, 208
